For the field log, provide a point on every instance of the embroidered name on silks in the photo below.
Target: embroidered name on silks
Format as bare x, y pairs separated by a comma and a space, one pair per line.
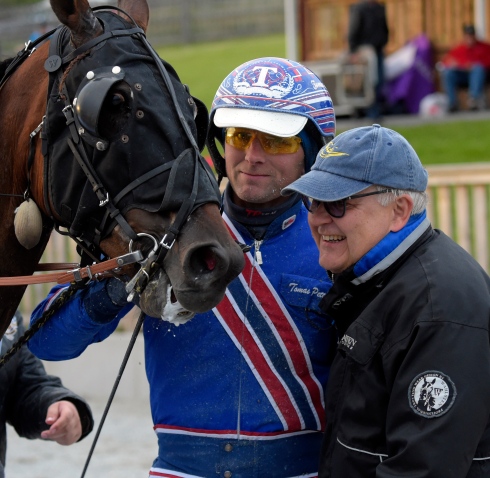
348, 342
293, 287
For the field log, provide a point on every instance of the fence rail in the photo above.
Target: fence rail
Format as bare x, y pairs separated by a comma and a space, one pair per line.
459, 206
171, 21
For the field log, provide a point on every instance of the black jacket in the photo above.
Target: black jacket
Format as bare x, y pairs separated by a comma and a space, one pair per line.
367, 25
409, 390
27, 392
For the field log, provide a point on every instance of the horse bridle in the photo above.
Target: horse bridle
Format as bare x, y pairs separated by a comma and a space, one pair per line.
161, 247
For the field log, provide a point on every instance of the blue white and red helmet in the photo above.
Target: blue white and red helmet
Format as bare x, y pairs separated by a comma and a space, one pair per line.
277, 96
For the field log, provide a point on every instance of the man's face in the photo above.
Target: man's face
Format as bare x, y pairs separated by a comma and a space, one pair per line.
469, 39
257, 177
343, 241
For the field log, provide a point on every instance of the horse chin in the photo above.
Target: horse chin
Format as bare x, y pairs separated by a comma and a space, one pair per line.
158, 301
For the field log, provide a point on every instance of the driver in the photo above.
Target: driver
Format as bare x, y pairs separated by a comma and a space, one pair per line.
237, 391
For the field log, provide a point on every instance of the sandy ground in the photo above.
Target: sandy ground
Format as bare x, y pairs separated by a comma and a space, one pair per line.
125, 448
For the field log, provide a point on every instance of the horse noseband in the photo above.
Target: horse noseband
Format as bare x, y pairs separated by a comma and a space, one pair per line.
91, 95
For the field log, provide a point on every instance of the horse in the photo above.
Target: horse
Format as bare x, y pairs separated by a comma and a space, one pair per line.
101, 140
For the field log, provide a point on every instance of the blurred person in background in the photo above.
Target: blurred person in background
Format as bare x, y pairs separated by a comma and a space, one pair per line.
368, 26
466, 65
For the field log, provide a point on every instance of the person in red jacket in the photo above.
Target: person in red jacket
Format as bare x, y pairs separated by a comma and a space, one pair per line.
466, 65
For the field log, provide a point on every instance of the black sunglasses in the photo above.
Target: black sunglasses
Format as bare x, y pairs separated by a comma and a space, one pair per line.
337, 208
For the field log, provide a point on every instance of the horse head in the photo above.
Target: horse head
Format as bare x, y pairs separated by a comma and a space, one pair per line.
117, 164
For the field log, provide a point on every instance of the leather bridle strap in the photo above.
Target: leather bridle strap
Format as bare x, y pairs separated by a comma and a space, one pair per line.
75, 275
134, 184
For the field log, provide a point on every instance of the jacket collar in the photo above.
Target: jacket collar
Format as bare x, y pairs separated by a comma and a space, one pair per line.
389, 249
357, 286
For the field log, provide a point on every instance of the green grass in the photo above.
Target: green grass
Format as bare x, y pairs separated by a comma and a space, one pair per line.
444, 143
203, 67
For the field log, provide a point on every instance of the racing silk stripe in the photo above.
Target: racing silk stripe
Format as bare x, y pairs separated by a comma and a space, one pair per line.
176, 474
273, 330
276, 390
229, 434
53, 298
170, 474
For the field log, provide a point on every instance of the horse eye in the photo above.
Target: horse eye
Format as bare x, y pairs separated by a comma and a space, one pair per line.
117, 99
115, 112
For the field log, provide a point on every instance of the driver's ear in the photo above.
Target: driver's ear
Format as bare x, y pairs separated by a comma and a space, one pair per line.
402, 208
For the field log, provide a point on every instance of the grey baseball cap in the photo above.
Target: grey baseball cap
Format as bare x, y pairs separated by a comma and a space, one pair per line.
359, 158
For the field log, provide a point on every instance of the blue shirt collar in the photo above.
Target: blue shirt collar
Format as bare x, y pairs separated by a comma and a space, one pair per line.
390, 248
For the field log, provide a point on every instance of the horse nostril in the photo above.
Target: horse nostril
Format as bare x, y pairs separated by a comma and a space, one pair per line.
210, 259
204, 260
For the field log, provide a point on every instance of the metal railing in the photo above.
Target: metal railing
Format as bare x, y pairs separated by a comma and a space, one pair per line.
459, 205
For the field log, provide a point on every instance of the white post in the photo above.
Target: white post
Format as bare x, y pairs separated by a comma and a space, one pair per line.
480, 18
291, 29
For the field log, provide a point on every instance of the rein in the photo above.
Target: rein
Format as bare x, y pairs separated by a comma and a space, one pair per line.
75, 275
63, 298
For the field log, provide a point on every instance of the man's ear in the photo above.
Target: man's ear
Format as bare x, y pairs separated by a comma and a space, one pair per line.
402, 208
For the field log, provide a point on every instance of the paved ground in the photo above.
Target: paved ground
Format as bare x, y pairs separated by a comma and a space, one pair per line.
125, 449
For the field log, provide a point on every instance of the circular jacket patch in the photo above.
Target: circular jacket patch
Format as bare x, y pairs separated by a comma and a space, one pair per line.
431, 394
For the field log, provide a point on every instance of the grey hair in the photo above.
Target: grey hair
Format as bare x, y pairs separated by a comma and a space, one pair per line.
420, 199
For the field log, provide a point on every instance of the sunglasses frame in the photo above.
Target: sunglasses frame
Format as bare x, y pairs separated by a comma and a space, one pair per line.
308, 202
261, 137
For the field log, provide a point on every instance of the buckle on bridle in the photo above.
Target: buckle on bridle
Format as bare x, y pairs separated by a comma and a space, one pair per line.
164, 244
141, 278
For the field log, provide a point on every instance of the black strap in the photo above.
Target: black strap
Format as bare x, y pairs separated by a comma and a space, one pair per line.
95, 41
99, 190
170, 87
23, 54
132, 341
134, 184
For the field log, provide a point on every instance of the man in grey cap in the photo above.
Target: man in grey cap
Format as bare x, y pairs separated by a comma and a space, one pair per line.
409, 389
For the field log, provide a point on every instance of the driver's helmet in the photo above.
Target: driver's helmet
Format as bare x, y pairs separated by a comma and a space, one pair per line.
276, 96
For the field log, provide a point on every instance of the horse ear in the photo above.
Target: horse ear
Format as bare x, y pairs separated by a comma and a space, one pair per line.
138, 9
79, 18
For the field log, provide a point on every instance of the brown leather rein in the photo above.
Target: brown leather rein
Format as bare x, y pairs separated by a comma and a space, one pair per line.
71, 271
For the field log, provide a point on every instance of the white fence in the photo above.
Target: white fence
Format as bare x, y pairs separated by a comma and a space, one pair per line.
459, 206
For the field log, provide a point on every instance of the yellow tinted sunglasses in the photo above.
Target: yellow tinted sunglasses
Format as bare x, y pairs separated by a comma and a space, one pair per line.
241, 138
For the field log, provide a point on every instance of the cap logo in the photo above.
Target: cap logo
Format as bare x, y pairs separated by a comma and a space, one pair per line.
267, 81
431, 394
288, 222
330, 151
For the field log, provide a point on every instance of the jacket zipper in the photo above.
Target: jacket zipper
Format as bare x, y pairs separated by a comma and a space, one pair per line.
258, 254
